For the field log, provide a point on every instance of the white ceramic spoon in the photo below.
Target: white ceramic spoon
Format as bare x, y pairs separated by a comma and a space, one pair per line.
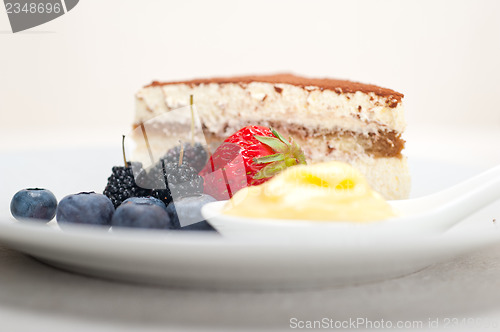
432, 214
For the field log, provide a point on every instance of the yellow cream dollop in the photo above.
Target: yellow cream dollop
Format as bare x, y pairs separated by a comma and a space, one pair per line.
331, 191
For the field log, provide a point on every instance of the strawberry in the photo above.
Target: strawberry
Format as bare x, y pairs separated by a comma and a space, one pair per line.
249, 157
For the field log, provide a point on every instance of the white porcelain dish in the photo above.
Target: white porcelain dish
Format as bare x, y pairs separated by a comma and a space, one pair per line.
202, 261
269, 261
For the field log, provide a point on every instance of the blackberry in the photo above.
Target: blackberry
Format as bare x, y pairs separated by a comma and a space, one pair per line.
195, 155
181, 180
121, 185
163, 195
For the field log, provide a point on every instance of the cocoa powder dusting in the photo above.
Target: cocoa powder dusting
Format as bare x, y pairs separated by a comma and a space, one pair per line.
339, 86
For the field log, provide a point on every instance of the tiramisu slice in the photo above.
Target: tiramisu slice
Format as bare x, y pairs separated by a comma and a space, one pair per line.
331, 119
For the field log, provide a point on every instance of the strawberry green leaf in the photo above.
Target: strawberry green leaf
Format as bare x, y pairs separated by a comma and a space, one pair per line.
298, 153
273, 143
270, 170
290, 162
278, 135
270, 158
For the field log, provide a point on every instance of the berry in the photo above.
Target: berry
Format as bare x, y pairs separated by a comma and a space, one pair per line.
173, 181
34, 203
145, 200
194, 155
121, 185
185, 212
141, 215
249, 157
199, 226
85, 208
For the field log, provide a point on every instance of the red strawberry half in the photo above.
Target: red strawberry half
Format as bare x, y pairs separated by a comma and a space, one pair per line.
249, 157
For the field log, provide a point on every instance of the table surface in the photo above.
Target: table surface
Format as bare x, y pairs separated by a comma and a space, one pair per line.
33, 295
36, 296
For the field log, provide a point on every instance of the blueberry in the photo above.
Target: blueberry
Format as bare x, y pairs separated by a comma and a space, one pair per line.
34, 203
186, 212
199, 226
141, 215
149, 200
85, 208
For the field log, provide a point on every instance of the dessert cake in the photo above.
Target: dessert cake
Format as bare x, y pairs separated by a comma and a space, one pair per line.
331, 119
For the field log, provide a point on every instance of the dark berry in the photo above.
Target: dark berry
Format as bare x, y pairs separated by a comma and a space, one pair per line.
85, 208
145, 200
141, 216
121, 185
185, 212
34, 203
194, 155
181, 180
199, 226
163, 195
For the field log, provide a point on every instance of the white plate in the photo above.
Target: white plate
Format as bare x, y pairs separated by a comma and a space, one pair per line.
205, 260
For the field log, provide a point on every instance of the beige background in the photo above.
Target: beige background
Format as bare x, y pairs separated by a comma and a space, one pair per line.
71, 81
